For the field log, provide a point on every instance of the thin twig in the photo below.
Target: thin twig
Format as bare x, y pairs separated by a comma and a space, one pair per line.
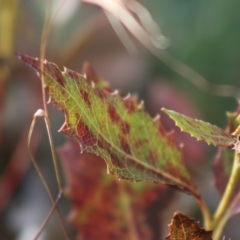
48, 217
40, 113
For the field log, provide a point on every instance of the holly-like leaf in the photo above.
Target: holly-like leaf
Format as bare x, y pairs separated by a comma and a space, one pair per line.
134, 146
204, 131
184, 228
102, 206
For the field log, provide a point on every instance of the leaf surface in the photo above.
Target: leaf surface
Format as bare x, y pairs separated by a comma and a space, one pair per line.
204, 131
117, 129
184, 228
105, 208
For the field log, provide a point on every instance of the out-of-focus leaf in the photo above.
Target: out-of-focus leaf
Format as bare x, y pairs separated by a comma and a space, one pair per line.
161, 93
102, 206
223, 162
204, 131
222, 167
184, 228
117, 129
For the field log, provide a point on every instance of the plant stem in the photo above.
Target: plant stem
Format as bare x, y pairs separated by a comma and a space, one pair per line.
225, 201
219, 229
207, 219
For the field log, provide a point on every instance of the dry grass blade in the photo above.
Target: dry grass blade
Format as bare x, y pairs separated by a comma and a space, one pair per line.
154, 41
41, 113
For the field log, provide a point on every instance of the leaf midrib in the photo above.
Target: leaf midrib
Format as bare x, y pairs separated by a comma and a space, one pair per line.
130, 157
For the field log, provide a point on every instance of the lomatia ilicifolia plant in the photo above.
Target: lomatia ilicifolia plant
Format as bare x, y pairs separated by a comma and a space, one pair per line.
135, 147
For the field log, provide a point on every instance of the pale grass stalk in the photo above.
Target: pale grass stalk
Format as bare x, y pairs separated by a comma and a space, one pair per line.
40, 113
119, 10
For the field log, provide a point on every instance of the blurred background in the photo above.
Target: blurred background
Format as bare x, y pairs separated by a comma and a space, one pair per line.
203, 35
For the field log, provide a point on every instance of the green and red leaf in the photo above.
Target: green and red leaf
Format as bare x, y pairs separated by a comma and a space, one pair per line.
184, 228
204, 131
119, 130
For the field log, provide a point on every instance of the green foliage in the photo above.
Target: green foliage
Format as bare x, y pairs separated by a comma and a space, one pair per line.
206, 132
134, 146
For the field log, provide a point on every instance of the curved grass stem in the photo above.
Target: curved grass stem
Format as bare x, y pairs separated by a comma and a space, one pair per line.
48, 217
40, 113
207, 218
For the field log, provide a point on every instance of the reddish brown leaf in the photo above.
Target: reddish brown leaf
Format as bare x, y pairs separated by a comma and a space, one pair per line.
103, 207
222, 167
184, 228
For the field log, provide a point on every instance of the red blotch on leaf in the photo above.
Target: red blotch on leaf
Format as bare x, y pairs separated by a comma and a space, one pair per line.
129, 105
115, 160
153, 158
82, 128
89, 139
125, 146
139, 143
84, 135
101, 93
72, 74
125, 127
161, 129
53, 69
172, 170
85, 97
114, 116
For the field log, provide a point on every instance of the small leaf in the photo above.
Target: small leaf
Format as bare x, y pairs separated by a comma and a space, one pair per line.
184, 228
164, 94
204, 131
117, 129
